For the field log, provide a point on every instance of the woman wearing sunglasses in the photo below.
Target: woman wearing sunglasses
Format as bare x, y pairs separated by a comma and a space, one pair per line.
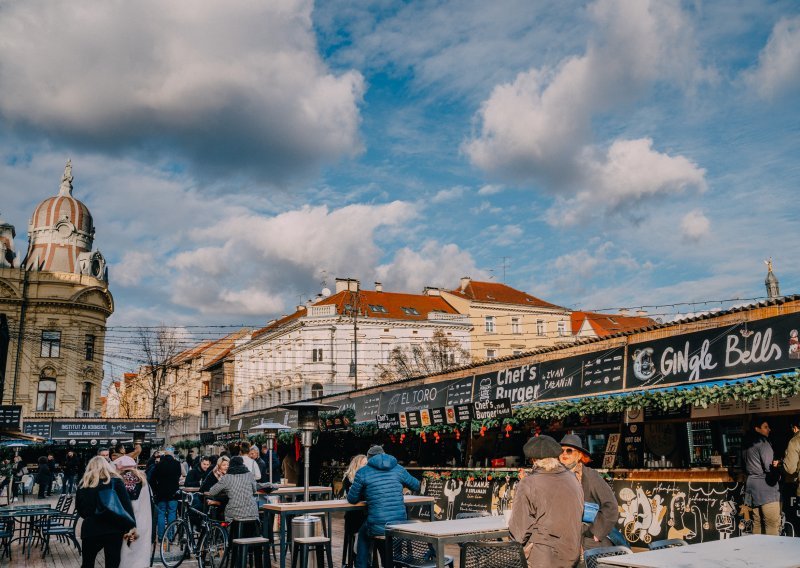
600, 508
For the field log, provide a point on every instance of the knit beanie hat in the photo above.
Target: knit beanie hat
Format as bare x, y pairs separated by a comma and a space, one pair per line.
374, 451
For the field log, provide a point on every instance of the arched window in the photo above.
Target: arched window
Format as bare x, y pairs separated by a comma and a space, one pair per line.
316, 390
278, 394
46, 399
299, 393
86, 396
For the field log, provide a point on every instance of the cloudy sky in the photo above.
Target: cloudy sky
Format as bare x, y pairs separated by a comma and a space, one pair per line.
235, 155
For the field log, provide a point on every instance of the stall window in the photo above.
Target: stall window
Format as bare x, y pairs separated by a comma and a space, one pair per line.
51, 343
316, 390
46, 399
89, 347
488, 323
86, 396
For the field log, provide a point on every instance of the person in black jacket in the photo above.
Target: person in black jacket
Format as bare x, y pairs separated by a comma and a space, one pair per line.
99, 533
165, 482
198, 473
71, 466
43, 476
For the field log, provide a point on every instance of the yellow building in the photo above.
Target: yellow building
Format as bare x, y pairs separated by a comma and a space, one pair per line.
56, 303
506, 321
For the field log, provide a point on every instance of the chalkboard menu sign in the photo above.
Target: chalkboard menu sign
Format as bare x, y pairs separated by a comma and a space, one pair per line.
388, 421
10, 416
366, 406
227, 436
491, 409
463, 412
413, 419
651, 413
632, 448
37, 428
459, 391
438, 416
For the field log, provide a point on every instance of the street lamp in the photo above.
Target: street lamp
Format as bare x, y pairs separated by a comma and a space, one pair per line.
138, 434
307, 421
270, 430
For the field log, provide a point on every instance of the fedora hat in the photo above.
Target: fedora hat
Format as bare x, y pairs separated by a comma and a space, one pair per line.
574, 441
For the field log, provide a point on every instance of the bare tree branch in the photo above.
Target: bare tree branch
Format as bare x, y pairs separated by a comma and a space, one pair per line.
434, 355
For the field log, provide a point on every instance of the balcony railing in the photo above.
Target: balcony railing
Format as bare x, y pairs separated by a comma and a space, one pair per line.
453, 318
322, 311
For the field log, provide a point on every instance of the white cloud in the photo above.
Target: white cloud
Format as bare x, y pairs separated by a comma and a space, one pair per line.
484, 207
695, 226
433, 265
778, 70
448, 194
503, 235
490, 189
134, 267
234, 88
539, 127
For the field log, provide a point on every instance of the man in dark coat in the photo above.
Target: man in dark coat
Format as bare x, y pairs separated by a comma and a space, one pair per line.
548, 506
595, 490
380, 483
71, 466
164, 483
267, 455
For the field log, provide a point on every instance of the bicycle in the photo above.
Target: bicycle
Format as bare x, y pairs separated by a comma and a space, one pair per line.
209, 545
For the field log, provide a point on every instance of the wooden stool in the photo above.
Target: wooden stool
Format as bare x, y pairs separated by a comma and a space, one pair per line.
378, 551
244, 534
320, 544
244, 544
349, 550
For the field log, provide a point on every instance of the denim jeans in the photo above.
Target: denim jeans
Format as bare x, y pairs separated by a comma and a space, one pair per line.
69, 483
364, 547
167, 512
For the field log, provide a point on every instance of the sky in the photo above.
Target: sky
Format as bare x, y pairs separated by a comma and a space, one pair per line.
237, 157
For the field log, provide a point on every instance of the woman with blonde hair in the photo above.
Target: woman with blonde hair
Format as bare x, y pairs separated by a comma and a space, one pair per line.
352, 519
137, 552
98, 532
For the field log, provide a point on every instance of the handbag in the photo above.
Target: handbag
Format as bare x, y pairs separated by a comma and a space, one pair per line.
590, 511
110, 509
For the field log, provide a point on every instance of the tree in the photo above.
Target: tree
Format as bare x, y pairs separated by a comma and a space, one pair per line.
159, 347
434, 355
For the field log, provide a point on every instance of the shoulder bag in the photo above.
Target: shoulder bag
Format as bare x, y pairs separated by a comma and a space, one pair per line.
110, 509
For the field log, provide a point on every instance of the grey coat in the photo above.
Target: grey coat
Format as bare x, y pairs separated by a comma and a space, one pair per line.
546, 518
239, 487
596, 490
762, 479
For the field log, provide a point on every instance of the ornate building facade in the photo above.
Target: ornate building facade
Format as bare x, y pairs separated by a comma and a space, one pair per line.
57, 303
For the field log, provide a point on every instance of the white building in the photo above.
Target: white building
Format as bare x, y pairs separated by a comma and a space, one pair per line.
336, 344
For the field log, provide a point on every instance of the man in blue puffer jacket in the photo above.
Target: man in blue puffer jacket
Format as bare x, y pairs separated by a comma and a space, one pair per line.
380, 483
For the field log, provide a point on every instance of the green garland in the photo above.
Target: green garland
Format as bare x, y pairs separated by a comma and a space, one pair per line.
186, 444
472, 474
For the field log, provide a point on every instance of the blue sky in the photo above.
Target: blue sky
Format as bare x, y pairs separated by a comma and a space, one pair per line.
235, 155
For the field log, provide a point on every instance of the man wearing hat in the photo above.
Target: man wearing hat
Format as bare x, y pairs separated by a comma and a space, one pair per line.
548, 506
380, 483
595, 490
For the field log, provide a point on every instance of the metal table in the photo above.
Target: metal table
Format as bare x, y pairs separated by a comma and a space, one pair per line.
440, 533
28, 529
741, 552
289, 510
294, 492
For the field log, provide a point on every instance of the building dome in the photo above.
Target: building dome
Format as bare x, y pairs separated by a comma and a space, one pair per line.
61, 233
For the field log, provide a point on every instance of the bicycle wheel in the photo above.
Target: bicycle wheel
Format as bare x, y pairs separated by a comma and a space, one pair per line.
175, 544
213, 548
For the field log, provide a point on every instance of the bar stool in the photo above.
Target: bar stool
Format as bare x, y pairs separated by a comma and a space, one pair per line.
304, 545
241, 544
378, 551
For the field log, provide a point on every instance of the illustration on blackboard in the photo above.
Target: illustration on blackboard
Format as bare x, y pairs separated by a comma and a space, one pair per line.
641, 517
502, 495
684, 519
643, 367
794, 345
452, 488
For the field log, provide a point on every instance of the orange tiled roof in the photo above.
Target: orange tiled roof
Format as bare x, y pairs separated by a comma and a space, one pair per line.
223, 347
609, 324
372, 304
501, 294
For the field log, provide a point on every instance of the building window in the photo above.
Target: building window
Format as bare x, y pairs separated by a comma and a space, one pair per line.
278, 394
489, 324
86, 396
46, 400
540, 328
562, 328
316, 355
316, 390
204, 419
515, 327
205, 389
299, 393
378, 309
89, 348
51, 343
491, 353
386, 350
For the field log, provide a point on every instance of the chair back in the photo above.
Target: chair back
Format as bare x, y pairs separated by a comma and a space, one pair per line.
492, 554
591, 557
668, 543
6, 526
64, 504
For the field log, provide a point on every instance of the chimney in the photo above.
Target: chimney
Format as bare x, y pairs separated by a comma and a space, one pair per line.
465, 280
378, 287
346, 284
